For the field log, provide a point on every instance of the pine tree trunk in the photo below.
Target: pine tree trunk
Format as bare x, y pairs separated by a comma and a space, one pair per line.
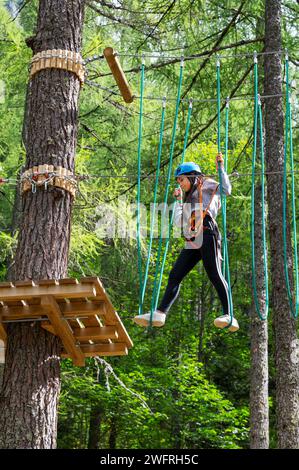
286, 344
94, 435
259, 406
113, 433
31, 384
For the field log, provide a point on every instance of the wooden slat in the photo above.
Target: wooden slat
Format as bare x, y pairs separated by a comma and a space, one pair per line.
15, 313
100, 290
3, 334
64, 305
13, 303
47, 326
62, 328
69, 291
24, 283
47, 282
68, 280
33, 301
76, 309
111, 315
6, 284
90, 322
95, 333
112, 349
73, 309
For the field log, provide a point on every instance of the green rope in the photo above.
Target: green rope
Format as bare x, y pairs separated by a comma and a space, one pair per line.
155, 199
173, 210
139, 187
222, 196
155, 290
225, 168
258, 121
289, 144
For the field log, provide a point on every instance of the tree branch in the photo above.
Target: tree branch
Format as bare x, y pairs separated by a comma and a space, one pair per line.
104, 144
169, 8
116, 19
203, 129
214, 49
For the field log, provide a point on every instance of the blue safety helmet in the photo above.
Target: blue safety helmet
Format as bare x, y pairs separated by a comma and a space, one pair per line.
186, 168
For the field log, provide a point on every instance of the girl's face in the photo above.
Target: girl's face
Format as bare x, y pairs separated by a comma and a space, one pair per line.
184, 183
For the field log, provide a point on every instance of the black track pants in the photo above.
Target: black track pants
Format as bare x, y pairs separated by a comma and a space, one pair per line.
186, 261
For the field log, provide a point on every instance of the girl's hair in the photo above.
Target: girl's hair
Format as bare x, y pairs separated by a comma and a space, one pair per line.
193, 177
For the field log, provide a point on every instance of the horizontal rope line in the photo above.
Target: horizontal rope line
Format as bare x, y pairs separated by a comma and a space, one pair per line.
186, 100
234, 174
208, 100
199, 56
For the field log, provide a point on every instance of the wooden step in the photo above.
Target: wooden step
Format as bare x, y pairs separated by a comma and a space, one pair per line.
109, 349
95, 333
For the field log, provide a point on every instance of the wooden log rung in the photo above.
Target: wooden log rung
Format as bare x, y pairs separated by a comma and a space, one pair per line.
118, 74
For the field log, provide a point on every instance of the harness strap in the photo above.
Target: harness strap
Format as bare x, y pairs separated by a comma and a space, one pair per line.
199, 224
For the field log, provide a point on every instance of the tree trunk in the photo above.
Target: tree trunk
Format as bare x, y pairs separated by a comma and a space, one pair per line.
94, 435
259, 406
203, 294
286, 343
113, 433
1, 374
31, 384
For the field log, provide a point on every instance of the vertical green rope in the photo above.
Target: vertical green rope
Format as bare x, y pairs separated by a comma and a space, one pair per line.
153, 212
139, 186
222, 197
258, 120
225, 168
155, 291
172, 215
289, 144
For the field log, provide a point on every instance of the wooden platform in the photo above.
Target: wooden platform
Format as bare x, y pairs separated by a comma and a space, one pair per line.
81, 313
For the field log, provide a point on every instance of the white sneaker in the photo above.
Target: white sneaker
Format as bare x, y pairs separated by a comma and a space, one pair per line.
158, 319
224, 320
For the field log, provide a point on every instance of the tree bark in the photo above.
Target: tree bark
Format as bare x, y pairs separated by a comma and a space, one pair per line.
286, 342
31, 383
259, 406
113, 432
94, 435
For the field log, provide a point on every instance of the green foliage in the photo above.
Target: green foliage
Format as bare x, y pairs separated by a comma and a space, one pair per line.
193, 378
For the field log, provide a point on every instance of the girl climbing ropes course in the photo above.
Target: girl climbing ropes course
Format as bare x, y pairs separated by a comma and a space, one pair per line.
198, 203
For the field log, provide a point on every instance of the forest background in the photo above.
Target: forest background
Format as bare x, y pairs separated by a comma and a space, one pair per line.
186, 385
